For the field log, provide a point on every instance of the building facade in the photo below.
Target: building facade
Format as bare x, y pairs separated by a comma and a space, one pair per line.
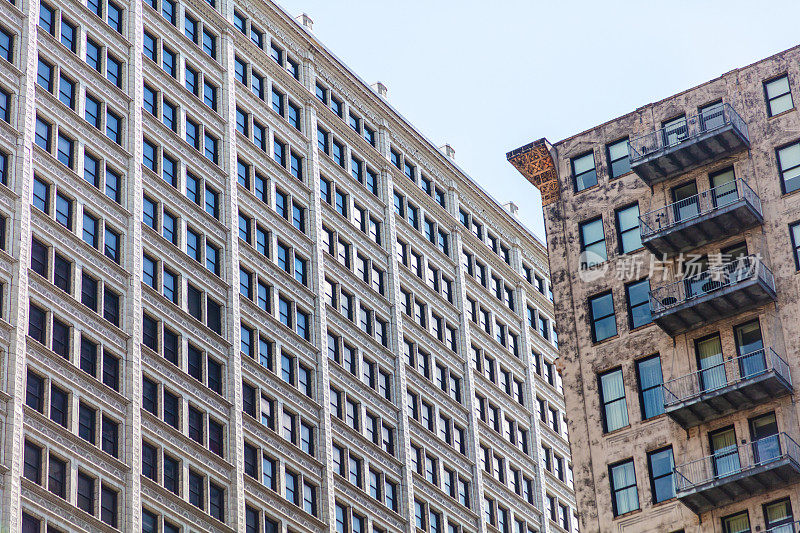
673, 242
241, 293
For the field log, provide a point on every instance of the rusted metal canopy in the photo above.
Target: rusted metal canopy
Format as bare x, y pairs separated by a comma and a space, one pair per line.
535, 163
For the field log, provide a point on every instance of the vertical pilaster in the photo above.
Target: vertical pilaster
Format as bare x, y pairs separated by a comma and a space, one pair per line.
230, 214
535, 438
20, 244
393, 293
469, 376
132, 510
327, 497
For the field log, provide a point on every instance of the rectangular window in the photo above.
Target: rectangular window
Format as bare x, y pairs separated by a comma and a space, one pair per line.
32, 462
778, 95
57, 477
603, 319
66, 91
593, 243
628, 228
794, 231
68, 34
661, 463
789, 163
584, 174
625, 496
638, 296
618, 158
650, 377
85, 500
738, 523
612, 395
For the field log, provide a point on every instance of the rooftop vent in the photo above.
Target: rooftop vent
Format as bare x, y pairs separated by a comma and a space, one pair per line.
305, 21
512, 208
380, 88
448, 151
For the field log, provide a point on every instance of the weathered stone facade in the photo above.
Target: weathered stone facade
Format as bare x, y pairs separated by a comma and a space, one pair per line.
583, 360
239, 292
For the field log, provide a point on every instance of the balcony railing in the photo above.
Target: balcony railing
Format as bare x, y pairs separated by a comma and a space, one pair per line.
712, 280
735, 461
730, 373
694, 207
714, 133
668, 137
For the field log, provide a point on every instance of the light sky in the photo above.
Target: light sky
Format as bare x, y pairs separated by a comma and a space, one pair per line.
491, 76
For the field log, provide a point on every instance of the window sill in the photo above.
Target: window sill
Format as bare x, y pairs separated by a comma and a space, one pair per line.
576, 191
788, 194
782, 113
613, 178
597, 343
663, 503
629, 513
639, 328
618, 430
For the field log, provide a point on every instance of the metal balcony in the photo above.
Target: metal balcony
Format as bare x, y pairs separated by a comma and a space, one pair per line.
738, 473
715, 133
735, 384
717, 293
712, 215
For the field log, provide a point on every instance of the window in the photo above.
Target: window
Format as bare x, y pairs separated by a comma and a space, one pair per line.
738, 523
93, 54
85, 500
114, 17
111, 245
108, 506
32, 462
789, 163
618, 158
65, 150
625, 497
794, 231
57, 477
47, 18
66, 91
44, 76
778, 95
628, 228
43, 133
612, 395
778, 516
584, 174
651, 396
604, 322
90, 224
661, 463
593, 243
638, 295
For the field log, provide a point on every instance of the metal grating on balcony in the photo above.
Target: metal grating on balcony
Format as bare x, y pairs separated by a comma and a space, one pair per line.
701, 139
733, 385
706, 217
719, 292
738, 472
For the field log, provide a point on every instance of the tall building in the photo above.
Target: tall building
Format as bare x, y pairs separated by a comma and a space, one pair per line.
232, 290
674, 249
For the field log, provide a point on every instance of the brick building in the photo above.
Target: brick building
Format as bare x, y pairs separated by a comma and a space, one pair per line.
674, 245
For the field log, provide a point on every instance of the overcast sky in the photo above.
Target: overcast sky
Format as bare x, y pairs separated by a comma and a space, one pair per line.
488, 77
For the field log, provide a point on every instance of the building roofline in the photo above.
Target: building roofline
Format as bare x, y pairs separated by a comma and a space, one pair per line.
378, 101
708, 82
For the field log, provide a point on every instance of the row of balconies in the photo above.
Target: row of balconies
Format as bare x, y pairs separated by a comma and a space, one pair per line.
714, 294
